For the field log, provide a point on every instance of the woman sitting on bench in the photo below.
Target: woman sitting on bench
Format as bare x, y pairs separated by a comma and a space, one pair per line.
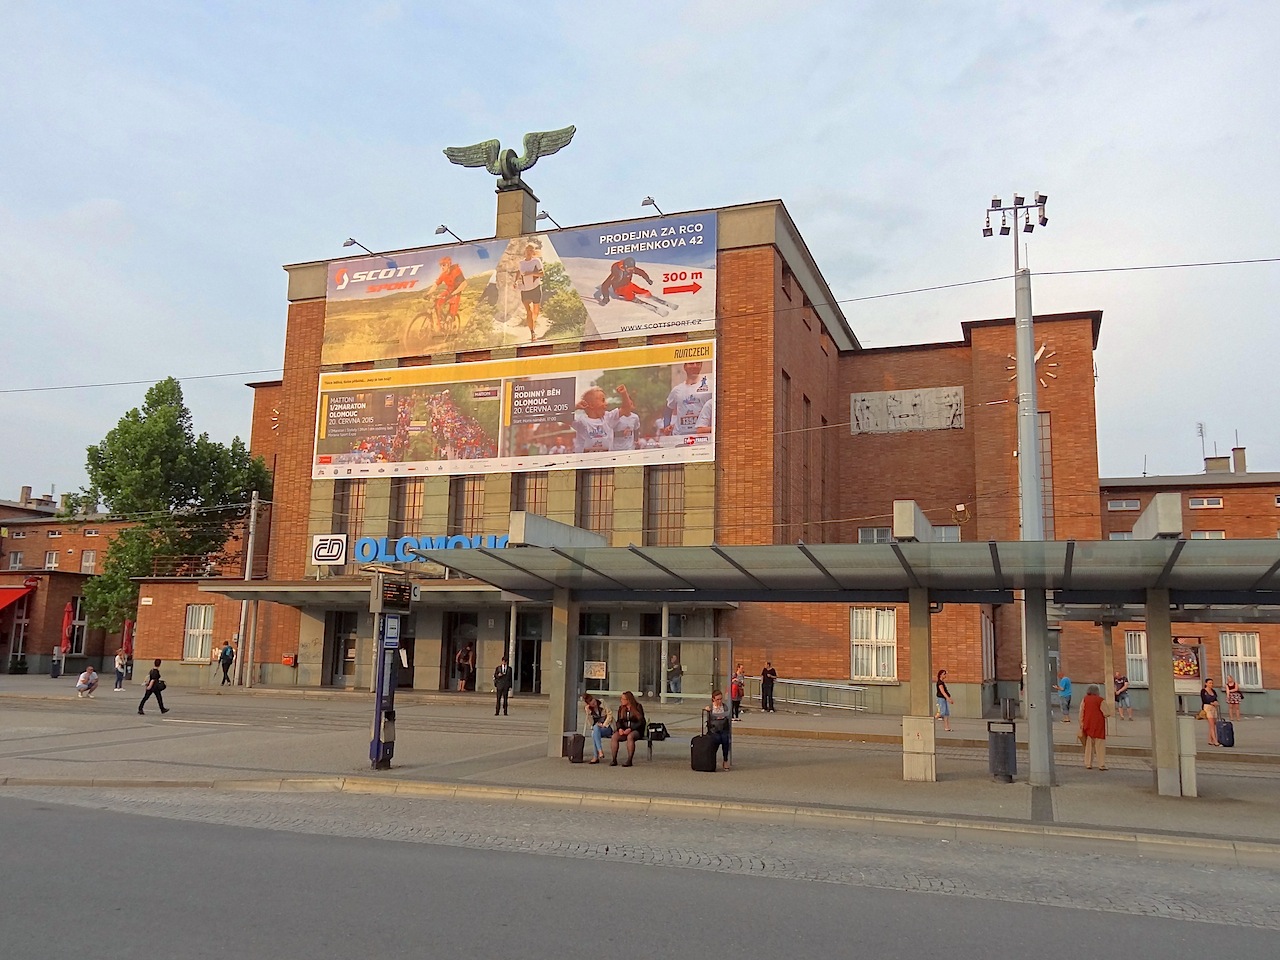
600, 719
630, 727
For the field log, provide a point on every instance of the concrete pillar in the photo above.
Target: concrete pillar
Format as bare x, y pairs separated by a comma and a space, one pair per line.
1108, 675
1039, 688
1164, 711
517, 215
560, 671
918, 733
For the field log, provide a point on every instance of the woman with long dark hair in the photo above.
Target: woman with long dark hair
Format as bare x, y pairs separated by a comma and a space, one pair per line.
629, 727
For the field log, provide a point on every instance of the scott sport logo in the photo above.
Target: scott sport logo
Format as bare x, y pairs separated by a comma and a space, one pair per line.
328, 550
344, 277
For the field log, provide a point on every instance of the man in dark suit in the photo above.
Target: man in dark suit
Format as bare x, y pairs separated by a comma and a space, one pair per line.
501, 686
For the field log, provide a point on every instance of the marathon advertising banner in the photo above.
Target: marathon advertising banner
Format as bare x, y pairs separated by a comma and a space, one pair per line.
603, 408
633, 278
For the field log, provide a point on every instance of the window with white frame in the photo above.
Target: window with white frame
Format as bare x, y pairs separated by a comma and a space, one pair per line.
88, 561
1240, 658
1277, 504
21, 623
1120, 535
1204, 503
988, 647
54, 534
22, 534
947, 534
197, 640
873, 633
79, 625
1135, 657
91, 532
1208, 534
51, 560
15, 560
1124, 504
875, 534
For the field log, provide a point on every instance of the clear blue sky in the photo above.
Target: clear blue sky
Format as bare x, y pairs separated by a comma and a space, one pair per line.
159, 162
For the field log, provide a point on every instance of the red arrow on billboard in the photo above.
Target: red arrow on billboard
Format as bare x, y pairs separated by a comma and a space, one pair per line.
686, 288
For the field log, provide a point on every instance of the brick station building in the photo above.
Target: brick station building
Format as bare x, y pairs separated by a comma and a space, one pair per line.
815, 436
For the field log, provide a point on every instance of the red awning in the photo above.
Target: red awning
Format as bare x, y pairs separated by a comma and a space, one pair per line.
11, 595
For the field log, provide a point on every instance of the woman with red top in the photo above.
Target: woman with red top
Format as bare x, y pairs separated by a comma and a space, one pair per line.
1093, 728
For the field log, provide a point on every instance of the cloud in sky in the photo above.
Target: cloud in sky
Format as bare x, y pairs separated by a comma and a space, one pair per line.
162, 161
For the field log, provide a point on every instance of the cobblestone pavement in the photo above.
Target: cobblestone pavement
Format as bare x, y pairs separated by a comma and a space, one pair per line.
1238, 896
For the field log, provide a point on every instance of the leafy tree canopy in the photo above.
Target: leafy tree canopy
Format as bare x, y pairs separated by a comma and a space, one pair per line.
187, 494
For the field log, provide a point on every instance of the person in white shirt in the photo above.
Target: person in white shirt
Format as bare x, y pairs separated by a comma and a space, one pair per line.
594, 425
529, 282
626, 432
122, 662
706, 419
685, 402
87, 683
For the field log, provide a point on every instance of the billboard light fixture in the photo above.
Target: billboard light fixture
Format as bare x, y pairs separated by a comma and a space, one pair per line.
353, 242
649, 202
543, 215
443, 229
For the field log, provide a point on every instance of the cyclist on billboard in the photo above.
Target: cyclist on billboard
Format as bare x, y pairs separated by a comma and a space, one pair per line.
448, 293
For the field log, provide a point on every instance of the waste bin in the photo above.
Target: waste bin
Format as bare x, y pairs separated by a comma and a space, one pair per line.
1002, 749
55, 664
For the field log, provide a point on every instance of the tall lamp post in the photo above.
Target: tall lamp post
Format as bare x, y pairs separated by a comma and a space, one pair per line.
1035, 620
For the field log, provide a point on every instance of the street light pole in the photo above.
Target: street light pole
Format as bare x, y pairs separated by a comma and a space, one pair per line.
1035, 619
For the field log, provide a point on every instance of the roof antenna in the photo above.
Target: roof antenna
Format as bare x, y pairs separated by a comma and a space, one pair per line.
1144, 464
1200, 434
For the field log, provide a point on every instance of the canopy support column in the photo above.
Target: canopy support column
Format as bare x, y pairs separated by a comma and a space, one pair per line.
1108, 675
1164, 710
559, 677
918, 749
1035, 621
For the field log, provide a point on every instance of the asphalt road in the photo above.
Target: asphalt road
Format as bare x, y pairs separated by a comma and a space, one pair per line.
188, 874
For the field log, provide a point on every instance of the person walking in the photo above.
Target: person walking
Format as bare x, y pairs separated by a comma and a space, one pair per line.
737, 687
943, 696
1123, 700
121, 663
155, 687
501, 687
464, 661
1209, 707
768, 677
718, 720
226, 657
1063, 687
675, 674
87, 683
1093, 728
1234, 698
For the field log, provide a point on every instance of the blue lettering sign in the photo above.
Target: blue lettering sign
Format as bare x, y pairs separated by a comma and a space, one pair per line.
384, 550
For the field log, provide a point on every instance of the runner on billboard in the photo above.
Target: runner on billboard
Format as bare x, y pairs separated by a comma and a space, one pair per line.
686, 401
621, 284
706, 419
528, 281
627, 430
594, 425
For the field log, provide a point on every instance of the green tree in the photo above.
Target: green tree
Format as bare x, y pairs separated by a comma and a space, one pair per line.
187, 494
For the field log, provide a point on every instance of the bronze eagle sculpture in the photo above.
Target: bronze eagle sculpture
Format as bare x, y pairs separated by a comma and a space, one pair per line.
504, 164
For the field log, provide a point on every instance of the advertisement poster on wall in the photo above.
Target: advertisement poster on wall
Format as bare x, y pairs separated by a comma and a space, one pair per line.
613, 280
603, 408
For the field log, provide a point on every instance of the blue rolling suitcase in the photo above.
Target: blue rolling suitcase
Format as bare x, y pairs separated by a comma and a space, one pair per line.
1226, 733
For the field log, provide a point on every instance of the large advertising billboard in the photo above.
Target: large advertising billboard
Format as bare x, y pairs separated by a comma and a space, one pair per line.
588, 283
601, 408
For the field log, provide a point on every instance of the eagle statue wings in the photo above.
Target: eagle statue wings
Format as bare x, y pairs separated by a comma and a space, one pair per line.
504, 164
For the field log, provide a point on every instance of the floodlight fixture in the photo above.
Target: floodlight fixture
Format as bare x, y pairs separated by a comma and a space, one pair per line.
1041, 198
1019, 199
996, 203
546, 216
1044, 221
1028, 226
443, 229
352, 242
649, 202
986, 229
1004, 225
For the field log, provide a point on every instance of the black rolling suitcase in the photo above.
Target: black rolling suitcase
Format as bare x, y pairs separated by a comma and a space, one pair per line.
1226, 733
576, 744
702, 751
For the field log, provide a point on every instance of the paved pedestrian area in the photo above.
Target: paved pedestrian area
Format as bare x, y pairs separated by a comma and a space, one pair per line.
788, 767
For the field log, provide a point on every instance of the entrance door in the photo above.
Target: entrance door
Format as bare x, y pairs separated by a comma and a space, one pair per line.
460, 629
344, 642
528, 653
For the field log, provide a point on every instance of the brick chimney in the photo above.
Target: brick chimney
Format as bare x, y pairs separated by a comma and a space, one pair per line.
1237, 460
25, 498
